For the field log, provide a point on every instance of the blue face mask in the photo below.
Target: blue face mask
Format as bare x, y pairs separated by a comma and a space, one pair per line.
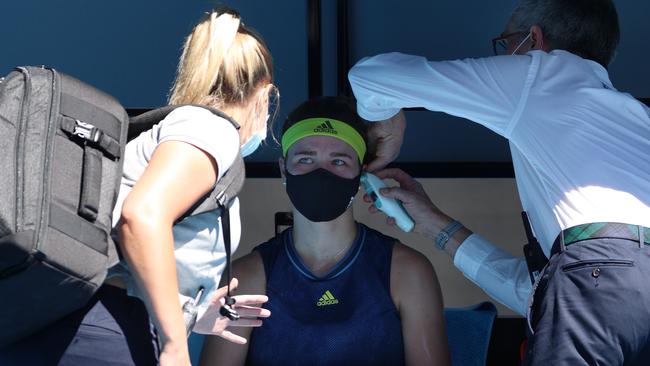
253, 143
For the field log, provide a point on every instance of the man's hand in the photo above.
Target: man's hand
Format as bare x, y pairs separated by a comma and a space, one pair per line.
429, 220
212, 322
385, 140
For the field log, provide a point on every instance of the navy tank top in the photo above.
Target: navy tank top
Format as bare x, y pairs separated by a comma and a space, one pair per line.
346, 317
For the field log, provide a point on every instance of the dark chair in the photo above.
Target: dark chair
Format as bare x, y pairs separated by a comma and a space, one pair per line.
195, 343
468, 333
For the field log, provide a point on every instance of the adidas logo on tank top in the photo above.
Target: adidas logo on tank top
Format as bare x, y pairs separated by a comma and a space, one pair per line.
327, 299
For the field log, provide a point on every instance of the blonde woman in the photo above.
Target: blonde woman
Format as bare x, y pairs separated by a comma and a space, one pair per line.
167, 169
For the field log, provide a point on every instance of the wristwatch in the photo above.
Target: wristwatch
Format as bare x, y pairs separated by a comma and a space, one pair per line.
443, 237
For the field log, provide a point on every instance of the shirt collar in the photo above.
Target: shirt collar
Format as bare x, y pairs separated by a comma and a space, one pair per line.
601, 73
598, 69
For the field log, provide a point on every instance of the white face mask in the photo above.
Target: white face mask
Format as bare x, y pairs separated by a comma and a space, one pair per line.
253, 142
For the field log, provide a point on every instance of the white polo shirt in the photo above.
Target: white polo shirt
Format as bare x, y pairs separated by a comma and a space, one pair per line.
580, 148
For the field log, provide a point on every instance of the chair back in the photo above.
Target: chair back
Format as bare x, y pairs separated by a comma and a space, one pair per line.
468, 333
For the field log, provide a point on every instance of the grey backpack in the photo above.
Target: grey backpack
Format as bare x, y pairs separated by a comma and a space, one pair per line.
61, 148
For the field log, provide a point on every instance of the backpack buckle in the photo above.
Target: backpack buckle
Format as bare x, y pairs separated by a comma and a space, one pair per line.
86, 131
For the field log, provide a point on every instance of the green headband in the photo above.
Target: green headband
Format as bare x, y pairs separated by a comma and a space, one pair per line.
324, 127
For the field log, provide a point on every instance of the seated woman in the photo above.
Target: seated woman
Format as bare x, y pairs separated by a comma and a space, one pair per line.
340, 293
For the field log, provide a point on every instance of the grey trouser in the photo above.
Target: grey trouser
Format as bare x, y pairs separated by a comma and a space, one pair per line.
592, 306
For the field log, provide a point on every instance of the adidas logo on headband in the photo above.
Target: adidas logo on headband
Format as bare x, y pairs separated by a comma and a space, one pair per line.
326, 127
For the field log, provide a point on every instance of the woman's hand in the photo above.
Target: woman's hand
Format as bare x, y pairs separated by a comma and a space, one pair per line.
212, 322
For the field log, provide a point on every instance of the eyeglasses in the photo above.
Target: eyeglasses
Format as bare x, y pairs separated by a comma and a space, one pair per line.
500, 44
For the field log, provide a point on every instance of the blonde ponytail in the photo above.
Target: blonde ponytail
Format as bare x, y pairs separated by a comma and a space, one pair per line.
203, 55
226, 65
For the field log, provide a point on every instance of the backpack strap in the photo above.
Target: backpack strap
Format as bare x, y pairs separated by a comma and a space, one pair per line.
226, 309
146, 120
92, 135
223, 193
231, 182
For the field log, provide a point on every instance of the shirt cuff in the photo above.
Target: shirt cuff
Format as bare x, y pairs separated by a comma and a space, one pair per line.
371, 115
502, 276
471, 255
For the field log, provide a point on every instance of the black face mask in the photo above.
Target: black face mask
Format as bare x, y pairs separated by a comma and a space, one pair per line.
321, 195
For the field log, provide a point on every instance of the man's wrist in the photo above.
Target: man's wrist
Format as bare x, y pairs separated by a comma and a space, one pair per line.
446, 234
456, 241
439, 222
434, 222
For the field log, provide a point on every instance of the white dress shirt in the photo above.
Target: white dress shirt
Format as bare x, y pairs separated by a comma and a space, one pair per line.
580, 148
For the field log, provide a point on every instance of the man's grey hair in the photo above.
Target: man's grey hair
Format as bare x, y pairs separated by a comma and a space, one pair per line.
587, 28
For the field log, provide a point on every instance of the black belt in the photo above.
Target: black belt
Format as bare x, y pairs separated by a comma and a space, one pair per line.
601, 230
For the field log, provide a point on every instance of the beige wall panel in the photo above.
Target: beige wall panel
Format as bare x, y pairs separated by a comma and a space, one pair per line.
489, 206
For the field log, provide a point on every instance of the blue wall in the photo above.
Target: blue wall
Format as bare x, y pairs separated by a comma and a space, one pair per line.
130, 50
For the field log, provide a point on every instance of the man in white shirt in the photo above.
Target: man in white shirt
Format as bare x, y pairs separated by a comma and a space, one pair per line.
581, 154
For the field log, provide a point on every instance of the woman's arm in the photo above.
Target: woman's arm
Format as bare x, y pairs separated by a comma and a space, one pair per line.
219, 351
177, 175
416, 293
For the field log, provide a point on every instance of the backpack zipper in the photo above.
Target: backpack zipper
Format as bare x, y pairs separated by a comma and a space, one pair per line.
21, 136
48, 152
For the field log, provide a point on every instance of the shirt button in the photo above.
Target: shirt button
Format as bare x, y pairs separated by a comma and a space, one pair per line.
596, 272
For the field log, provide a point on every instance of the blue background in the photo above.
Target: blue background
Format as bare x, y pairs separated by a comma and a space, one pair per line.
130, 49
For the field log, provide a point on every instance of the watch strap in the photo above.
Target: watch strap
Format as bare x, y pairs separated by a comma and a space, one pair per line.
443, 237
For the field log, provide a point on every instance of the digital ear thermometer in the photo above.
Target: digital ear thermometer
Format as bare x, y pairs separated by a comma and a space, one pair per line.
390, 206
